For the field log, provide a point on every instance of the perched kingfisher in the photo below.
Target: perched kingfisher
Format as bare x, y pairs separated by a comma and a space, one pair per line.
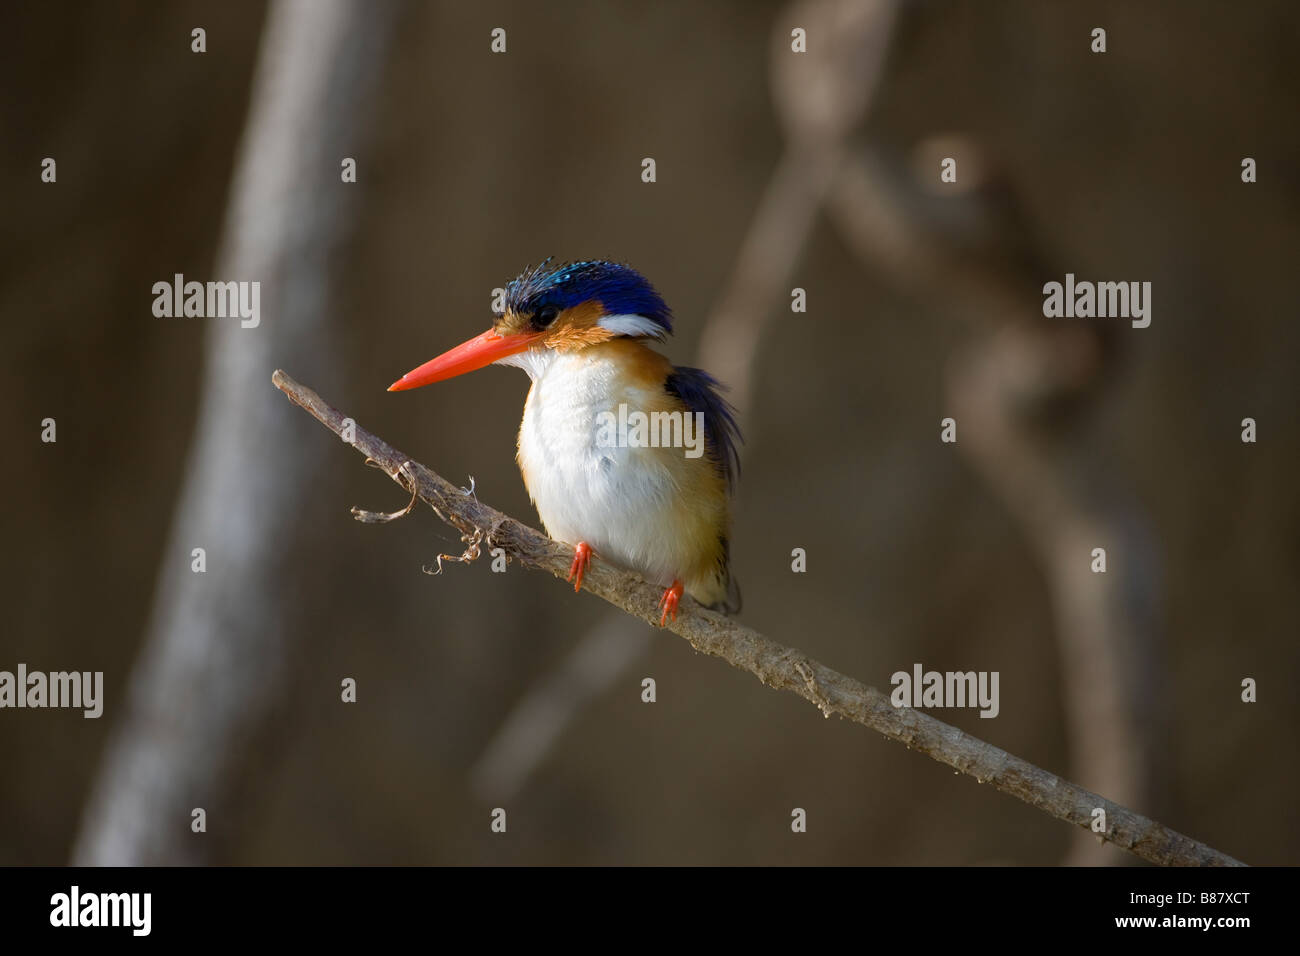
633, 489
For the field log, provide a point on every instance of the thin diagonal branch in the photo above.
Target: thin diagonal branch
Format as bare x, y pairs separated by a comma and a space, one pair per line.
776, 665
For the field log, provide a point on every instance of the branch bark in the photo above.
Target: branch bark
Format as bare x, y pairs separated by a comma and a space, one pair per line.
776, 665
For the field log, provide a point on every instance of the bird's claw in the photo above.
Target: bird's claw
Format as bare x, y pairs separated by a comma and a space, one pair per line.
581, 560
669, 602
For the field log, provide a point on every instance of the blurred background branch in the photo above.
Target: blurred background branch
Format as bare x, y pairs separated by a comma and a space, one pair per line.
1021, 391
214, 671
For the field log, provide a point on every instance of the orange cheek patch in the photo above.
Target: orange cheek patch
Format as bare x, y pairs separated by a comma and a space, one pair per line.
576, 328
582, 316
566, 340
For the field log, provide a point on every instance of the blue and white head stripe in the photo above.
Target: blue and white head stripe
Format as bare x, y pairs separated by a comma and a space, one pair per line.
621, 290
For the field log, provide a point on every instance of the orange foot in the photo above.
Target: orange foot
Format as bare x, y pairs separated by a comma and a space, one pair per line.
669, 603
581, 558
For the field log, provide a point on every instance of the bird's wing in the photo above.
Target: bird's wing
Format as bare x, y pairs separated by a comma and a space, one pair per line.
700, 392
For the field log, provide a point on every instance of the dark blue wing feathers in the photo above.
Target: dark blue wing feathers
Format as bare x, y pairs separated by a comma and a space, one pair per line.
700, 392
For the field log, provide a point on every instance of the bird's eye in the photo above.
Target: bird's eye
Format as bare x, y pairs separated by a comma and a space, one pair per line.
546, 315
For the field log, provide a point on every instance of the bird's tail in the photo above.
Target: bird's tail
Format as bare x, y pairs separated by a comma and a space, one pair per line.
731, 603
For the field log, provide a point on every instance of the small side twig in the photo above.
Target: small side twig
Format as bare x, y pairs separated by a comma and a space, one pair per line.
776, 665
383, 517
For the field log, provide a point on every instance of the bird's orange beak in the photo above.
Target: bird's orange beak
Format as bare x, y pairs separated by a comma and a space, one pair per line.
475, 354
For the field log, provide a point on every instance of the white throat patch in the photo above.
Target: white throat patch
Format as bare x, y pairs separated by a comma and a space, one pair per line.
533, 361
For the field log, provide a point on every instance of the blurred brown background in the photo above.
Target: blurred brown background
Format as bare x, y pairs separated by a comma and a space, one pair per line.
1122, 166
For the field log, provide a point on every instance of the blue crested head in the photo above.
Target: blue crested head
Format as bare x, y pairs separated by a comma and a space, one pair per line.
620, 290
